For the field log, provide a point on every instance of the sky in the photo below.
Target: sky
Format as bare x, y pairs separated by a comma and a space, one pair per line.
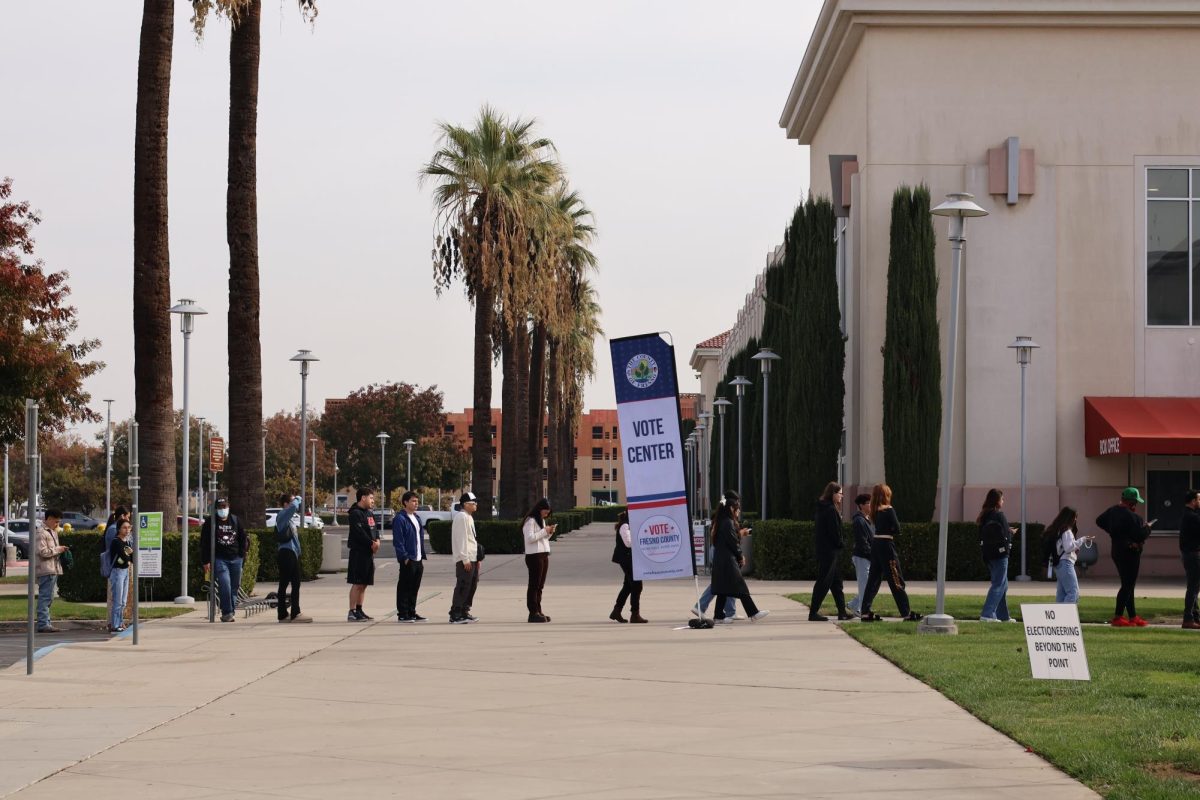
665, 115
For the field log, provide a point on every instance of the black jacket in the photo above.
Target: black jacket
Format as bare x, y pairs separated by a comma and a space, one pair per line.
362, 529
828, 536
232, 541
120, 553
995, 536
726, 574
1126, 528
621, 554
1189, 531
864, 532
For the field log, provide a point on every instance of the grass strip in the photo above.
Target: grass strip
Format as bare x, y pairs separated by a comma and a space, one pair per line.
14, 608
966, 606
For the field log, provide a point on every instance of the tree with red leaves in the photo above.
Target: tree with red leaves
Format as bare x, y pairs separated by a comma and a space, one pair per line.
37, 359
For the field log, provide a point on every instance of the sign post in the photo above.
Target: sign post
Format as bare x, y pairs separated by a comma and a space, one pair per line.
1054, 639
150, 535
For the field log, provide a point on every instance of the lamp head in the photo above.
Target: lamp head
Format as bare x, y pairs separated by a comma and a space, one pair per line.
764, 357
187, 311
741, 383
1024, 345
720, 404
409, 443
304, 357
382, 437
958, 204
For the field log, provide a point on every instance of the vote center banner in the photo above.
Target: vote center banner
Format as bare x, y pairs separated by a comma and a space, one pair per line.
651, 455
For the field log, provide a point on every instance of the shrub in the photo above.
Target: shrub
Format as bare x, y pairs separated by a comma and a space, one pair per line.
84, 584
783, 550
311, 553
502, 537
602, 513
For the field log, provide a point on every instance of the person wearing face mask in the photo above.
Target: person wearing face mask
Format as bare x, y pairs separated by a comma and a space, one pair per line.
231, 546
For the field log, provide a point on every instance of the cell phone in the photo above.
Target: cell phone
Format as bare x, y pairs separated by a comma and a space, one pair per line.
749, 530
1151, 522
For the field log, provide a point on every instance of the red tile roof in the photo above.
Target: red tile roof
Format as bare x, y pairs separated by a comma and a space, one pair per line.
717, 341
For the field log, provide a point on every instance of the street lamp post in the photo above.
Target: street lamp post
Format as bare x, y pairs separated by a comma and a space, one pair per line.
958, 206
200, 506
383, 440
305, 357
408, 444
107, 466
264, 459
187, 311
4, 541
1024, 345
313, 442
764, 357
741, 383
335, 487
721, 404
705, 428
688, 445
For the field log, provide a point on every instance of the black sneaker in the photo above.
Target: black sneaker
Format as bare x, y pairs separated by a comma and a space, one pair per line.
459, 620
362, 616
418, 618
405, 619
818, 618
350, 617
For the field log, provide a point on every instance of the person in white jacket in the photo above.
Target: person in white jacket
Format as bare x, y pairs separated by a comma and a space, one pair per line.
537, 534
1066, 547
466, 566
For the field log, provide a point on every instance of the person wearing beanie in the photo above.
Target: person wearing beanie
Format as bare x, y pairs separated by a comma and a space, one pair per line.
465, 548
1129, 533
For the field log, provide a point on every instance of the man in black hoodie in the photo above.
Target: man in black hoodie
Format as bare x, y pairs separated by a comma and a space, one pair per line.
1128, 532
1189, 550
231, 546
362, 542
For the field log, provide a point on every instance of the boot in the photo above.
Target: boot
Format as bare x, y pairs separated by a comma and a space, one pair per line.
615, 616
636, 617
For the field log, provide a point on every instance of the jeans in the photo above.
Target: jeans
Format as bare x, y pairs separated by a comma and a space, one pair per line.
466, 581
228, 574
118, 582
996, 604
1191, 565
46, 584
408, 585
1068, 583
862, 571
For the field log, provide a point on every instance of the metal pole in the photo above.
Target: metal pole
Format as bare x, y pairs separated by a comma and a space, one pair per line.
303, 433
200, 504
4, 553
739, 448
721, 476
31, 458
314, 481
408, 470
264, 458
212, 555
956, 248
762, 514
335, 487
184, 597
107, 464
135, 518
382, 477
1024, 576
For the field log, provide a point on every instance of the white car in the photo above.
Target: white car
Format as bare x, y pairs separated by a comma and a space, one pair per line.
309, 520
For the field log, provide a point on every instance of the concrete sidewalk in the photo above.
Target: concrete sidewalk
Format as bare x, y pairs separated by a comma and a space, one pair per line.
578, 708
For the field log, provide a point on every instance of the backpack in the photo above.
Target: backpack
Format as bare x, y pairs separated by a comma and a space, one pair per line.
1050, 554
993, 543
283, 530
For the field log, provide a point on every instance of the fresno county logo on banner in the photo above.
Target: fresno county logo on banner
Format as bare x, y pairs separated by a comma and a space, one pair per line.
648, 417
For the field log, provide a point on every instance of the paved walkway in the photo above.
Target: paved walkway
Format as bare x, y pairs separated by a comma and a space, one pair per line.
579, 708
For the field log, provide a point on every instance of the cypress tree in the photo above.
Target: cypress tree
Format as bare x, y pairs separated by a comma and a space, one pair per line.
912, 371
817, 351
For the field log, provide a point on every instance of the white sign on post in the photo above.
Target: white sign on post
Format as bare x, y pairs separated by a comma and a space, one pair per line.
1055, 642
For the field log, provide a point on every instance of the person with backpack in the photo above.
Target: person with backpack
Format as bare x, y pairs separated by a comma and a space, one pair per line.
110, 532
1129, 533
287, 537
995, 543
119, 557
231, 546
1060, 550
623, 557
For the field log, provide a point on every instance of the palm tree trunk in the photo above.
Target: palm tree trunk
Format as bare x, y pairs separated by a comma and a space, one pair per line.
568, 427
152, 265
481, 443
554, 473
241, 226
537, 412
509, 501
521, 462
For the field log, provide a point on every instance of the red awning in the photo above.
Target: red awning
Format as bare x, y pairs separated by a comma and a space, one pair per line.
1164, 425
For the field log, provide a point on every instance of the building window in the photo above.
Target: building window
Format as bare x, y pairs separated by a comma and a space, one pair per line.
543, 478
597, 474
545, 452
574, 454
493, 430
597, 454
616, 432
606, 434
1172, 249
597, 432
545, 431
614, 473
574, 474
614, 454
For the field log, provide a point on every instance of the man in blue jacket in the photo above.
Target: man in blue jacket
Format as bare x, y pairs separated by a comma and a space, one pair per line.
408, 537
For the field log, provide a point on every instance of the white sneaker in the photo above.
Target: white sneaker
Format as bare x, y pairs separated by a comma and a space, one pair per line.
736, 616
1010, 619
695, 611
759, 615
988, 619
725, 621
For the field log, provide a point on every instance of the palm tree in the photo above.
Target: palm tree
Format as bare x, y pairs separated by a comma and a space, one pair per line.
152, 263
572, 363
244, 471
490, 179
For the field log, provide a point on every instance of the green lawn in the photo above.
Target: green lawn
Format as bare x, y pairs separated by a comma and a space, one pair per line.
967, 607
14, 608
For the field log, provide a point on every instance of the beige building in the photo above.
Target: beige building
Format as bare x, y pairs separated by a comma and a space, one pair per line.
1076, 124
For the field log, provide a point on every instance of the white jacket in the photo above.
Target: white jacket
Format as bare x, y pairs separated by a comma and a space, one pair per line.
462, 538
1069, 547
537, 537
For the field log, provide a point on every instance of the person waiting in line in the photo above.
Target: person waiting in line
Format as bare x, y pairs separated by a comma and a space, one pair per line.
49, 551
363, 543
408, 538
287, 556
827, 540
536, 534
231, 548
707, 595
995, 542
1129, 533
885, 562
1189, 551
466, 549
727, 580
120, 556
110, 532
630, 589
1060, 539
864, 532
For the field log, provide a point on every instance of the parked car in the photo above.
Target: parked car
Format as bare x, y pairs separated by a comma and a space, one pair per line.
316, 523
82, 522
18, 536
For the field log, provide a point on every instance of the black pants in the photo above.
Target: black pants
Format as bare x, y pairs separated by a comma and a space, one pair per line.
1128, 563
885, 563
747, 604
407, 586
829, 580
538, 565
1191, 565
631, 590
289, 583
465, 583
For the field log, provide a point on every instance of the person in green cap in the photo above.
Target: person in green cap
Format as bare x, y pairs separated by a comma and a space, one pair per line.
1129, 532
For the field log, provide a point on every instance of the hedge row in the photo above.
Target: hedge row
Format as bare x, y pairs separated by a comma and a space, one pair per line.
503, 536
83, 583
783, 550
602, 513
311, 553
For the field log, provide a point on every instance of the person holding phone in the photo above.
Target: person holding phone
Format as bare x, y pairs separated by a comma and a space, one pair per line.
1129, 534
537, 535
995, 541
1066, 546
727, 580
